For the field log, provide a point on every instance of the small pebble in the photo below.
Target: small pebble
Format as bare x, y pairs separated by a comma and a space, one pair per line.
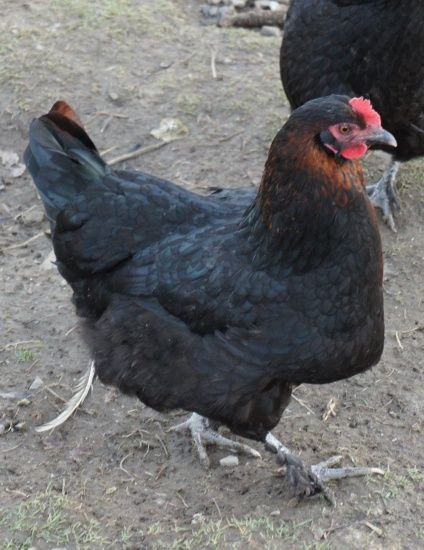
267, 30
216, 13
198, 518
20, 427
275, 513
229, 461
37, 383
48, 262
271, 5
33, 217
23, 402
209, 11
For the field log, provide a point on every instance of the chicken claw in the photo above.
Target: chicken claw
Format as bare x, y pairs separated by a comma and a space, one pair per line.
383, 195
303, 481
202, 434
306, 481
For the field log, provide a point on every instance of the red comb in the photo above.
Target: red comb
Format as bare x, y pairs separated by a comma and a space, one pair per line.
364, 108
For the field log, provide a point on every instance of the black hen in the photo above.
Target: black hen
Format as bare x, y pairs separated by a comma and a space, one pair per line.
191, 302
372, 48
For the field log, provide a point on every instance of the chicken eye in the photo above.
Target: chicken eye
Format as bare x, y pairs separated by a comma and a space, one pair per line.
345, 128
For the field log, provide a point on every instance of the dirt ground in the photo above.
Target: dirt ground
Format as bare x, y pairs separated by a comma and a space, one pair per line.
113, 476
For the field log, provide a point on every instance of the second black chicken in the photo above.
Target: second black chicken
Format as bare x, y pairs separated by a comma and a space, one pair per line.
372, 48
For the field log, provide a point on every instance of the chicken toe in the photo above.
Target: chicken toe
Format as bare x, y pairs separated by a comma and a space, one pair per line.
384, 197
324, 472
309, 481
203, 434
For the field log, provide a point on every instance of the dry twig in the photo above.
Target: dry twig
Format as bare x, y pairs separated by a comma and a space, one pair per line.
20, 214
68, 332
11, 449
108, 150
161, 471
22, 245
330, 409
213, 64
165, 450
106, 124
412, 330
48, 388
105, 113
231, 136
137, 153
6, 347
121, 467
181, 498
398, 340
17, 492
302, 403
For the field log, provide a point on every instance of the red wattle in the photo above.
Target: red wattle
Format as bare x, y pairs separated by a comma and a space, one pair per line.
354, 152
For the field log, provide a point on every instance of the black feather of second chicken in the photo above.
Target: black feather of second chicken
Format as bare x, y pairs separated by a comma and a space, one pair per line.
211, 304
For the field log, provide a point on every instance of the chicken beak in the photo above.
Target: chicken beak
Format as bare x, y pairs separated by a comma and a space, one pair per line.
380, 136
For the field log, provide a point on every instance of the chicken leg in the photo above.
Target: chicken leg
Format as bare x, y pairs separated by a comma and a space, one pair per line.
306, 481
383, 195
202, 433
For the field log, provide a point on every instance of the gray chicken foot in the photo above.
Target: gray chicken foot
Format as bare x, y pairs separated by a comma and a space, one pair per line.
306, 481
203, 434
383, 195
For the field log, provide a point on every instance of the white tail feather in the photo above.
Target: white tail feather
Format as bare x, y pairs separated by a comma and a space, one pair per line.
81, 392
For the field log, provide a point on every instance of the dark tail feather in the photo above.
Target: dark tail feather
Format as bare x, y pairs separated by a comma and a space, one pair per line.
62, 159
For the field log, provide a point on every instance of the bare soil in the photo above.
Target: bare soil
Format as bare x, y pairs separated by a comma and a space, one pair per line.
113, 476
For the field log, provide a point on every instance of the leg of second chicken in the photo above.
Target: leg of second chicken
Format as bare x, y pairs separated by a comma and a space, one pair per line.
383, 195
